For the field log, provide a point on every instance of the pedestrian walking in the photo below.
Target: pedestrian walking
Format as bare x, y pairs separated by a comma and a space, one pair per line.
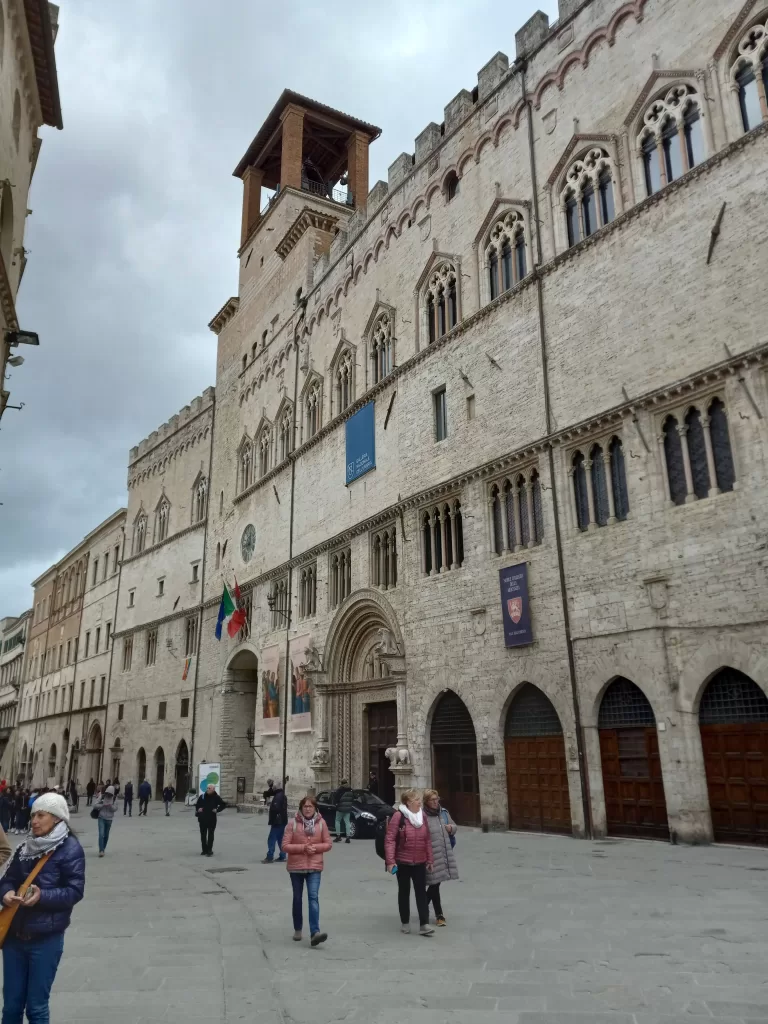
169, 795
128, 799
6, 803
145, 794
209, 805
442, 832
306, 840
90, 789
107, 805
73, 795
408, 854
343, 809
278, 819
116, 786
269, 792
45, 879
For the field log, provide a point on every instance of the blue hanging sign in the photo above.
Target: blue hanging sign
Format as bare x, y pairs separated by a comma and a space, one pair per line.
361, 442
515, 606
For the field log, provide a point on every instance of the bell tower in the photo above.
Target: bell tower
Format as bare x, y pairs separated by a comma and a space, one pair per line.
308, 147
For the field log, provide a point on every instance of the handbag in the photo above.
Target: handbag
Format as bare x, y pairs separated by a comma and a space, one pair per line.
7, 914
95, 812
445, 821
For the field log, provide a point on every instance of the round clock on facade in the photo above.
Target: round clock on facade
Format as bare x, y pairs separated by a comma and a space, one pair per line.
248, 543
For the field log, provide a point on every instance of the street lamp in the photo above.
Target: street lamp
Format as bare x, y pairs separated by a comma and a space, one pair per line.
14, 338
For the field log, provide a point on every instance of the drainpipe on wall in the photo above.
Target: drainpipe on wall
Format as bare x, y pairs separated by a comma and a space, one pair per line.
111, 660
191, 766
583, 779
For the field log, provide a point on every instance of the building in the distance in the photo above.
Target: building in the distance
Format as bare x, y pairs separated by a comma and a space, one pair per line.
489, 461
29, 98
63, 699
13, 636
150, 721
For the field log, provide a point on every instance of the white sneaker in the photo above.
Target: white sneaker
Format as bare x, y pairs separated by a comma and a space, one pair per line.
426, 929
405, 929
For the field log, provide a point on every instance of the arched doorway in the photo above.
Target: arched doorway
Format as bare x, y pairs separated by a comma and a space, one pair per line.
159, 773
94, 752
629, 751
51, 780
117, 753
182, 771
243, 709
454, 759
141, 766
733, 718
537, 777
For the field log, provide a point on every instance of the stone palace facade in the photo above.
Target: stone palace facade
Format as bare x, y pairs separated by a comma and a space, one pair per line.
548, 321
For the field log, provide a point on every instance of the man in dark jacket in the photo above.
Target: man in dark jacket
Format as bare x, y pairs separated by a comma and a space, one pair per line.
169, 795
343, 809
128, 799
73, 794
207, 807
90, 789
145, 793
278, 819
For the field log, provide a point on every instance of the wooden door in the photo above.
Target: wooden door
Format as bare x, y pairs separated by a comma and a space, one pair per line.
537, 784
632, 781
382, 734
454, 769
736, 763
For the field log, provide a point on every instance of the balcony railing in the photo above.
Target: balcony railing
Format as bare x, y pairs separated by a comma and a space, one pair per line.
337, 195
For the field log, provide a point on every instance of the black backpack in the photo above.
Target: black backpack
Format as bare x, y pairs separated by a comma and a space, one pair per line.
381, 832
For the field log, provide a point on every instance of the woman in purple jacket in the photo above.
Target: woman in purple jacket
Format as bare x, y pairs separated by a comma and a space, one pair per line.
408, 854
34, 945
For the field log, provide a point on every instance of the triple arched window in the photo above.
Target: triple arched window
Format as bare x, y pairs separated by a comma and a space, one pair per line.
749, 76
698, 460
264, 449
441, 299
599, 484
199, 499
285, 430
587, 199
343, 380
340, 582
313, 407
505, 255
244, 464
382, 344
162, 519
308, 591
139, 536
442, 536
517, 520
671, 141
384, 557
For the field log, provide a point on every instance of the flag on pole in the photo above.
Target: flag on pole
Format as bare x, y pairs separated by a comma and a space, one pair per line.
240, 617
185, 673
235, 617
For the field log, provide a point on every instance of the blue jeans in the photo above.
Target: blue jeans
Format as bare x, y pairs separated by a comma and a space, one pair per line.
275, 836
29, 969
313, 892
105, 824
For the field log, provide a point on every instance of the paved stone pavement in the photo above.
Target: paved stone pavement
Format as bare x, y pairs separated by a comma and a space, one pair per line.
541, 930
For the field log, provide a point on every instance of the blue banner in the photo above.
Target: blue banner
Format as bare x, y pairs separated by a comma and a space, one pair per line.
515, 606
361, 443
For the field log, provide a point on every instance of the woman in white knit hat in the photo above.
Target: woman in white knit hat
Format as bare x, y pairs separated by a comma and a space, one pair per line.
106, 805
35, 939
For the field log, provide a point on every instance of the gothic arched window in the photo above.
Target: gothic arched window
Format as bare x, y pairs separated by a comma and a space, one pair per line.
264, 448
671, 141
587, 198
673, 455
162, 520
382, 347
749, 76
343, 372
244, 465
697, 453
312, 408
721, 446
505, 253
139, 540
441, 301
618, 479
580, 490
285, 427
599, 486
199, 500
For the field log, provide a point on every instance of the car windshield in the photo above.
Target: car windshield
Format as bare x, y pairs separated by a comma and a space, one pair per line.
365, 797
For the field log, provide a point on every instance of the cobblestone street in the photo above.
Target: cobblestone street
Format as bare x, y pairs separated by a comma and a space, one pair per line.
541, 930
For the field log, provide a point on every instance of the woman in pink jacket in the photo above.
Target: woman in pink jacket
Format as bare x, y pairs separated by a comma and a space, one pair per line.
408, 854
305, 841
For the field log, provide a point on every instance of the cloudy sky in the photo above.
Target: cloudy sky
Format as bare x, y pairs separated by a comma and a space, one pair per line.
136, 214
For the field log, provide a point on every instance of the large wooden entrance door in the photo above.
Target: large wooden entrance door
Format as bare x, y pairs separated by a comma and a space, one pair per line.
733, 717
629, 750
182, 771
454, 759
382, 733
159, 773
537, 778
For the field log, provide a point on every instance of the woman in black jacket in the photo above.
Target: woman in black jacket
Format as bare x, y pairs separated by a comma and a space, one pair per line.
35, 942
207, 807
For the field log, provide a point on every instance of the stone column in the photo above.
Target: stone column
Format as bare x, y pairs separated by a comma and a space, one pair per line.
713, 488
683, 432
357, 168
504, 517
292, 146
531, 523
382, 563
252, 181
590, 493
664, 469
609, 485
321, 756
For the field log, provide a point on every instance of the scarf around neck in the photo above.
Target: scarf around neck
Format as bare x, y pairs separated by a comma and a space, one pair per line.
417, 820
34, 847
308, 823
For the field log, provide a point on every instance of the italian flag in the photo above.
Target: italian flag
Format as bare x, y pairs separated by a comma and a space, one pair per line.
231, 613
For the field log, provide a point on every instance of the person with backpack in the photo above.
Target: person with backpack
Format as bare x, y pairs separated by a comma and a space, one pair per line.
306, 840
408, 854
343, 809
442, 832
278, 819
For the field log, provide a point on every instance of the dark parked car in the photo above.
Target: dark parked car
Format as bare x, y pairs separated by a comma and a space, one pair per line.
367, 810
